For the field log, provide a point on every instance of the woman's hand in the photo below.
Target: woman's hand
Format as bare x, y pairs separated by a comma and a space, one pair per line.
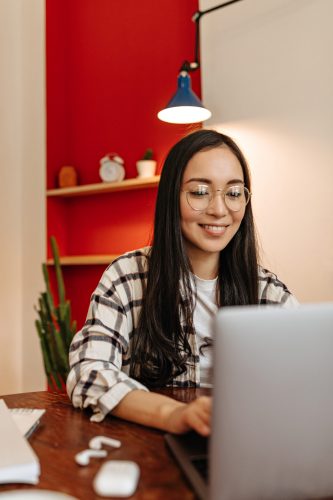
195, 415
163, 412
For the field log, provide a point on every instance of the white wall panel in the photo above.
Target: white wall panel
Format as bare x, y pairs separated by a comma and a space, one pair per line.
22, 206
267, 77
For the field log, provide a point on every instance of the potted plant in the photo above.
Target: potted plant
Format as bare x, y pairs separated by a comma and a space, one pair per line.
146, 166
54, 326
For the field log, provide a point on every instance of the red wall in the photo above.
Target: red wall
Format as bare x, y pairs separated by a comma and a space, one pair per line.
111, 66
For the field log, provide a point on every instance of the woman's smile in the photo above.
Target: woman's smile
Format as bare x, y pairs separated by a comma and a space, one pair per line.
214, 229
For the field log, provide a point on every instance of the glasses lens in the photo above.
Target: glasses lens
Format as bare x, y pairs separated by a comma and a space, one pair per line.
236, 197
199, 197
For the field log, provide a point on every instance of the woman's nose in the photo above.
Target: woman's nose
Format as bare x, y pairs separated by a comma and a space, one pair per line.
217, 205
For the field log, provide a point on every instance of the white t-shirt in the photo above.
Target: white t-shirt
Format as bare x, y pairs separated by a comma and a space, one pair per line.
205, 309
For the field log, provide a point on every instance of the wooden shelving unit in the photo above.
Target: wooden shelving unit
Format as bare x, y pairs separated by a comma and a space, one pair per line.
80, 260
96, 189
105, 187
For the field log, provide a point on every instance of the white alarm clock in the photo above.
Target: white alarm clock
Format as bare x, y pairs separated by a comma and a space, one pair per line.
111, 168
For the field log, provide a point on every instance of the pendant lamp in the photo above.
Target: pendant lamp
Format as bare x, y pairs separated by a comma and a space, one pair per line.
185, 106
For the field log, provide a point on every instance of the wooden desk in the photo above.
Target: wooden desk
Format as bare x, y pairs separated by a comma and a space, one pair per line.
64, 431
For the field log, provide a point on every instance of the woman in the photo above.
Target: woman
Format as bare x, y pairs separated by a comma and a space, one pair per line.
149, 321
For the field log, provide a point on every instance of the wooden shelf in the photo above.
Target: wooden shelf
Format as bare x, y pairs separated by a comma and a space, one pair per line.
106, 187
79, 260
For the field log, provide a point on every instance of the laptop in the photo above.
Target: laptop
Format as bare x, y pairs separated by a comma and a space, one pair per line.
272, 422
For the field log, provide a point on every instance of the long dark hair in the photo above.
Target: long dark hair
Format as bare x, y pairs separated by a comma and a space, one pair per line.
160, 345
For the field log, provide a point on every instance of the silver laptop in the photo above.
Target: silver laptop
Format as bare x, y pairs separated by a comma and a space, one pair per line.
272, 428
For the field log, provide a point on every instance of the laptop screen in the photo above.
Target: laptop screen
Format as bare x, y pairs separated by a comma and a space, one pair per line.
272, 424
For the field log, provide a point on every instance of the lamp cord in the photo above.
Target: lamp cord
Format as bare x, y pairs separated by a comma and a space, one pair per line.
192, 66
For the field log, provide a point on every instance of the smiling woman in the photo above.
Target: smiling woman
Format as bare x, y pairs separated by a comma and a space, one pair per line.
211, 213
150, 318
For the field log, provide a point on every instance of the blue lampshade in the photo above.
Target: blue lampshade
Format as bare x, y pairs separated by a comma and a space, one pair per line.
184, 107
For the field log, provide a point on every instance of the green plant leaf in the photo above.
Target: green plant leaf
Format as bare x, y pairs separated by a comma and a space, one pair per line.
54, 327
59, 276
148, 154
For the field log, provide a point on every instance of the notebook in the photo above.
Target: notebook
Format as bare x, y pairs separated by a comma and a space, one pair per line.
272, 423
18, 461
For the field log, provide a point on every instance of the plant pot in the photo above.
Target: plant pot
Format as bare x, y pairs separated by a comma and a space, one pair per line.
146, 168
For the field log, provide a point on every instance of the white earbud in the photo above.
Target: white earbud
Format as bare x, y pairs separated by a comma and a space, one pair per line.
84, 456
97, 442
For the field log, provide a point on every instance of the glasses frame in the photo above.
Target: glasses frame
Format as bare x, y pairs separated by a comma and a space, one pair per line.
223, 193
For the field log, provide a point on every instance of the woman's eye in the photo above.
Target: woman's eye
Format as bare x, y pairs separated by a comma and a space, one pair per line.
234, 193
199, 193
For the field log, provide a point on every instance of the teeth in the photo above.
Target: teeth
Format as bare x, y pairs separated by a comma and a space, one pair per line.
215, 229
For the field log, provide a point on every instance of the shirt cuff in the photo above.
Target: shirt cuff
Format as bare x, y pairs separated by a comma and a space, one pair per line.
113, 396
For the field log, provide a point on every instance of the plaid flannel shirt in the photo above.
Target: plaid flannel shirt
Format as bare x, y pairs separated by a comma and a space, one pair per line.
100, 353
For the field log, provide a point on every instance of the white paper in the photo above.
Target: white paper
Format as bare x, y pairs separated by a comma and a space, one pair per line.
18, 461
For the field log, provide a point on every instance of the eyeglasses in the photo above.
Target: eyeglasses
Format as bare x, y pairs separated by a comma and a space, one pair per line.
235, 197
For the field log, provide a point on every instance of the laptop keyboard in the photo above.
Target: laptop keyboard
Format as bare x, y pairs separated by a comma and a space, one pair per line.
201, 465
191, 452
